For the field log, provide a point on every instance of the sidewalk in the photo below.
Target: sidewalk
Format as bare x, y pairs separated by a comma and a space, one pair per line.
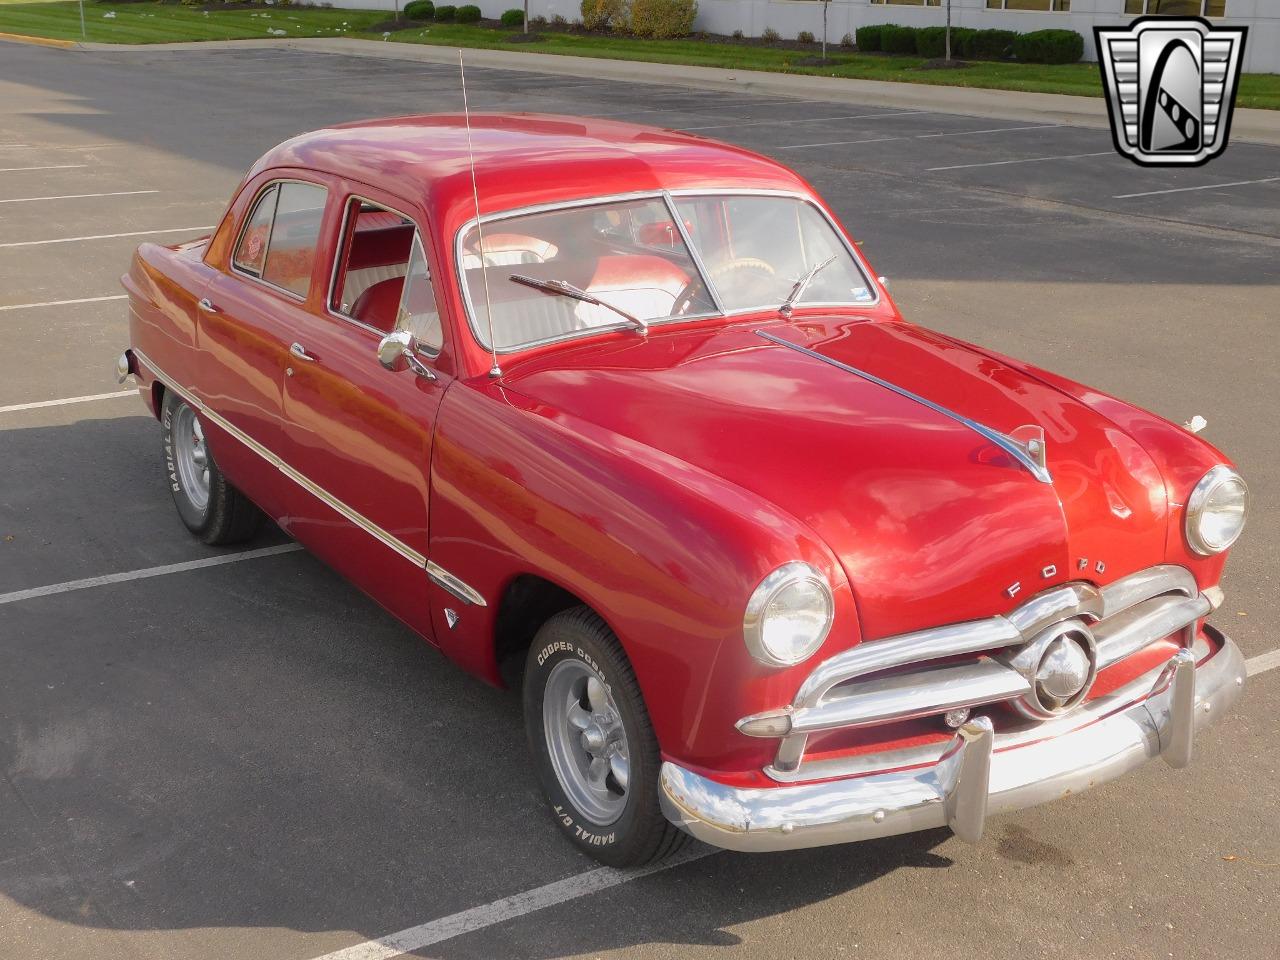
1258, 126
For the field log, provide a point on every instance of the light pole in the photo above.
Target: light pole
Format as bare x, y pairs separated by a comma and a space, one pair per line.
83, 34
825, 5
948, 31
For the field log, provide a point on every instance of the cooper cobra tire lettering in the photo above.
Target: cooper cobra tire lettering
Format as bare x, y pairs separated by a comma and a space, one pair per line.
638, 833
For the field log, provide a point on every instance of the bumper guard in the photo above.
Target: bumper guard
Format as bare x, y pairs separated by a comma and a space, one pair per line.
978, 773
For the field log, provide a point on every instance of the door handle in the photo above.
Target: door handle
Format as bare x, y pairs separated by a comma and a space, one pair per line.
207, 305
299, 351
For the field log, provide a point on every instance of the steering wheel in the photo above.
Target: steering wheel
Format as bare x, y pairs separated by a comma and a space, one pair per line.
753, 264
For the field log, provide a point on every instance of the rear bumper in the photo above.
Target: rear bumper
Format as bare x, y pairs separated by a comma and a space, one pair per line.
979, 773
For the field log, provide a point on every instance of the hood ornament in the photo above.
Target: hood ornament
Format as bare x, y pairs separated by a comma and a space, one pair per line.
1025, 444
1031, 439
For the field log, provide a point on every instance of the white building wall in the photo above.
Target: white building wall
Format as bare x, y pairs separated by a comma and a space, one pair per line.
789, 17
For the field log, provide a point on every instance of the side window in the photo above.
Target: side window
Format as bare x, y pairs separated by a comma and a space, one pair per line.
251, 252
384, 281
418, 313
291, 252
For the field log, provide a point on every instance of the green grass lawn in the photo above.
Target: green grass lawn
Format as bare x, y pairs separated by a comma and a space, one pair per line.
156, 22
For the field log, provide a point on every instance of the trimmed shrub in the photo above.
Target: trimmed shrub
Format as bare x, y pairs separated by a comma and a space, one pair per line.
869, 37
960, 37
931, 42
804, 36
603, 14
990, 45
446, 13
420, 10
469, 13
769, 35
663, 19
513, 18
898, 39
1049, 46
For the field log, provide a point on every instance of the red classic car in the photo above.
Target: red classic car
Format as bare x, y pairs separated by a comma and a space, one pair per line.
624, 413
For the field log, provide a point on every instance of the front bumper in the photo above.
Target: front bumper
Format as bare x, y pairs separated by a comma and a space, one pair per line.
979, 772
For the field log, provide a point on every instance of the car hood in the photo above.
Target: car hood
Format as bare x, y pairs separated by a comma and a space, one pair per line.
932, 522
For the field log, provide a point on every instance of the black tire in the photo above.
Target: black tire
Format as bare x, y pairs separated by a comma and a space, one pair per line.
641, 834
226, 516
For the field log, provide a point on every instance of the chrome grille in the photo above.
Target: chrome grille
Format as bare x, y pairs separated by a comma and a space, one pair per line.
850, 689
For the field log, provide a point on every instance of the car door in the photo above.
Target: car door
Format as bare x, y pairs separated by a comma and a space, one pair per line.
360, 433
245, 320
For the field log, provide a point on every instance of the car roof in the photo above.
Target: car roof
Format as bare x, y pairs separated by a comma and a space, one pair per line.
523, 159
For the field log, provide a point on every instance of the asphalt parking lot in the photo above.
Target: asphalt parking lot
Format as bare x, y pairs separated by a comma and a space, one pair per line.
248, 758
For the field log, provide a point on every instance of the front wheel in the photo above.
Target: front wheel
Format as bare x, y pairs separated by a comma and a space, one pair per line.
593, 746
209, 506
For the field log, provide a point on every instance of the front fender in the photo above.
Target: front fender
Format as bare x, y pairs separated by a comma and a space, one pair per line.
666, 553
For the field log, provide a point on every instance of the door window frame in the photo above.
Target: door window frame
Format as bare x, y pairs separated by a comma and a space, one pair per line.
244, 226
342, 249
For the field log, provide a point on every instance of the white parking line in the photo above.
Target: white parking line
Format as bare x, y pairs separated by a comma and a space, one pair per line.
839, 143
561, 891
508, 908
52, 166
79, 196
1001, 163
761, 123
146, 573
1207, 186
62, 303
38, 404
969, 133
62, 146
1262, 663
104, 236
918, 136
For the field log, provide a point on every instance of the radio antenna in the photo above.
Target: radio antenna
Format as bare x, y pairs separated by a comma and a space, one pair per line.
495, 370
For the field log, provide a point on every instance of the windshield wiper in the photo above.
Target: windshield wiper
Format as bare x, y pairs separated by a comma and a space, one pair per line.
801, 284
566, 289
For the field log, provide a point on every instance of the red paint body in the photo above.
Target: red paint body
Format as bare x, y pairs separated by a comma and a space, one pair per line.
657, 479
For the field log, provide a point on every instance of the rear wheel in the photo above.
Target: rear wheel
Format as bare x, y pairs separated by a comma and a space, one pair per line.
209, 506
593, 746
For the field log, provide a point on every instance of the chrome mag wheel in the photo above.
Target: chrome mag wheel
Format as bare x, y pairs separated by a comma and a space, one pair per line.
191, 457
586, 741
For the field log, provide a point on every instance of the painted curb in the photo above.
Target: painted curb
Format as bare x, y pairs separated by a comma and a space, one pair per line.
40, 41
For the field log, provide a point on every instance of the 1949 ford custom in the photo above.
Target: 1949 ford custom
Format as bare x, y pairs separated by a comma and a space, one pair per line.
625, 413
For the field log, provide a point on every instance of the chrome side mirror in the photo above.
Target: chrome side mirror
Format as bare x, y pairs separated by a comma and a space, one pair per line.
399, 350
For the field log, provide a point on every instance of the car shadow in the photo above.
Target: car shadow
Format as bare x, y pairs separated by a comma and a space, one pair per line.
257, 744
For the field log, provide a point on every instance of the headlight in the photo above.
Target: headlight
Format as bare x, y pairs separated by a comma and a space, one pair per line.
1216, 510
788, 615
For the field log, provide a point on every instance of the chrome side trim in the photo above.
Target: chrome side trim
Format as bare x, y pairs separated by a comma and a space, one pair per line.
1006, 443
447, 581
972, 776
437, 573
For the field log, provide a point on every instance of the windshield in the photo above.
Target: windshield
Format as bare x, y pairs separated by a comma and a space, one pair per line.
631, 257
